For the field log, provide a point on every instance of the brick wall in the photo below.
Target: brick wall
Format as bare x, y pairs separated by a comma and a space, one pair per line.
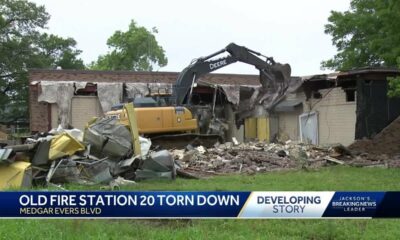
39, 115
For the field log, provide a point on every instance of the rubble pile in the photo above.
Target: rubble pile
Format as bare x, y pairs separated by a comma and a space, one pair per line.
253, 157
103, 154
256, 157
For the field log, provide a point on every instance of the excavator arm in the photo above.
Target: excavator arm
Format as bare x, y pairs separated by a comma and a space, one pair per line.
270, 71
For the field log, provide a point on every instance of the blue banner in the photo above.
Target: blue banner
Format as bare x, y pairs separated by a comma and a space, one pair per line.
176, 204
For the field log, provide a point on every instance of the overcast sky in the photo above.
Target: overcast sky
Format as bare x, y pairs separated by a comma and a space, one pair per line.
290, 31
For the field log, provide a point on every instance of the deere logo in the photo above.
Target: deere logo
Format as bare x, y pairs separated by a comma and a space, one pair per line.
217, 64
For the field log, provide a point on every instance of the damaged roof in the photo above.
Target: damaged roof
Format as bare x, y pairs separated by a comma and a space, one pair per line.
365, 70
36, 75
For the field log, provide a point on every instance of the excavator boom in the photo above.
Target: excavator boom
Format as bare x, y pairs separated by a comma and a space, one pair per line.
270, 71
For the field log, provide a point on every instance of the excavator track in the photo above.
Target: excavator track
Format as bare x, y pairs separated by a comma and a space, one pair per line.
181, 141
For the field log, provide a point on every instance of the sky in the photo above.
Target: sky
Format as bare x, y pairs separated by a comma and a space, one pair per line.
290, 31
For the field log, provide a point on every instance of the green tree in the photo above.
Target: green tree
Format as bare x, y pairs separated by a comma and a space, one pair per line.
54, 51
23, 45
136, 49
365, 35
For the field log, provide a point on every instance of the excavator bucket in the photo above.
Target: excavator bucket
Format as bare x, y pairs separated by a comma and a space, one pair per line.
281, 72
277, 73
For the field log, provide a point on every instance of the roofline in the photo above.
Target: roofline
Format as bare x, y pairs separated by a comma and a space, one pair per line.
112, 72
370, 70
336, 75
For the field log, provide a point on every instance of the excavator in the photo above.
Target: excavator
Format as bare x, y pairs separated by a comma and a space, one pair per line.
177, 121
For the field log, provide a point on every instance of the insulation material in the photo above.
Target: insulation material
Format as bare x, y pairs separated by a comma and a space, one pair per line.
232, 93
60, 93
160, 88
80, 85
109, 95
134, 90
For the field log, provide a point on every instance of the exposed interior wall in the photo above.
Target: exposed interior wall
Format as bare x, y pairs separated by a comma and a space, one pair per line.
336, 116
288, 125
288, 122
54, 115
83, 109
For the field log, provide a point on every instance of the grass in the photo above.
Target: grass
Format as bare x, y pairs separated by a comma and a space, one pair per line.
327, 179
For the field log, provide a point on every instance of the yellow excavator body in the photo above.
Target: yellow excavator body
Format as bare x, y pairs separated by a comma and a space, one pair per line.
155, 120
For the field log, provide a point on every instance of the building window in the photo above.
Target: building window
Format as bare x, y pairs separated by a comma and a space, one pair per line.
350, 95
317, 95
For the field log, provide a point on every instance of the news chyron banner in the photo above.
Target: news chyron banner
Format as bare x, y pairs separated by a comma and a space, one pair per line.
175, 204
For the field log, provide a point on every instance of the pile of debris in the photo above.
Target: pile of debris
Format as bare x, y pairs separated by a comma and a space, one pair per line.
253, 157
250, 157
103, 154
386, 142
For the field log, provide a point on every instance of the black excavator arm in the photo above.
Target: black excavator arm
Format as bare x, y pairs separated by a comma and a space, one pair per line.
270, 71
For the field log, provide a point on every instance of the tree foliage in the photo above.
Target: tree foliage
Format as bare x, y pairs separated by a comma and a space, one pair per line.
366, 35
136, 49
23, 45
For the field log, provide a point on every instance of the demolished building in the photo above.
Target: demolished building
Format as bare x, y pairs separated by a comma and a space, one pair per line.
86, 94
327, 108
339, 107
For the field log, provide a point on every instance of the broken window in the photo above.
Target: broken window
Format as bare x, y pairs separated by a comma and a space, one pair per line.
85, 89
350, 95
